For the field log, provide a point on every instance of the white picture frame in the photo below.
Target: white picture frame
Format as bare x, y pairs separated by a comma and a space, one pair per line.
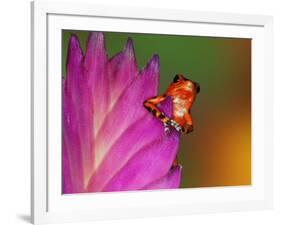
48, 205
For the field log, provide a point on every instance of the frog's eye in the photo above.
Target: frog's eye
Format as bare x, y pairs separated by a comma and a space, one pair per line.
177, 78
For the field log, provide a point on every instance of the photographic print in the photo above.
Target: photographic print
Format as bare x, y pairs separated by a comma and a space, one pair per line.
154, 111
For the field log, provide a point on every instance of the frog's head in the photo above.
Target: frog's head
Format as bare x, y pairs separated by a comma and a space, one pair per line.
188, 85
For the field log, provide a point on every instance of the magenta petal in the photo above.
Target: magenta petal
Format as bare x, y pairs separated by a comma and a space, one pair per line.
143, 131
150, 163
72, 154
128, 109
151, 75
74, 71
122, 71
74, 55
170, 180
95, 70
77, 117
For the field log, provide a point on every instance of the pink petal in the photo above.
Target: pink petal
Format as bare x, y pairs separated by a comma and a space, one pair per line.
147, 165
72, 155
122, 71
137, 136
77, 115
128, 109
170, 180
72, 162
95, 70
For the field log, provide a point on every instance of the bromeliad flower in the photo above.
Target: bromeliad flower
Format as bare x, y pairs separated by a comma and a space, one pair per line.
110, 141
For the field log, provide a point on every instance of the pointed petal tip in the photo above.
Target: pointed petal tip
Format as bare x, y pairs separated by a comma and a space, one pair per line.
129, 43
150, 74
96, 35
74, 52
73, 43
129, 48
153, 65
155, 56
154, 62
95, 49
155, 59
73, 40
96, 41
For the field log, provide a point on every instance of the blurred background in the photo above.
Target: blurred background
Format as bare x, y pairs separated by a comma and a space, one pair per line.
218, 151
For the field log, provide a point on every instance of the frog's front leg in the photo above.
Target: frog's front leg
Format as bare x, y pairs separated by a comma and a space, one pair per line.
188, 127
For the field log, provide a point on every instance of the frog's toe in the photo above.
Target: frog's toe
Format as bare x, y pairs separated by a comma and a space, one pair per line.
187, 129
175, 125
166, 128
178, 128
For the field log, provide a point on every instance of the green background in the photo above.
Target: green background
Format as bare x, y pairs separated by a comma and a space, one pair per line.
218, 151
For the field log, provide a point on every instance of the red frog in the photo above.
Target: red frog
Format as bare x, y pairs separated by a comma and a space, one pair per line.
183, 92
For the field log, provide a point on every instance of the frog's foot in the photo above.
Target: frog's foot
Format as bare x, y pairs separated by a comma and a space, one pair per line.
187, 129
174, 124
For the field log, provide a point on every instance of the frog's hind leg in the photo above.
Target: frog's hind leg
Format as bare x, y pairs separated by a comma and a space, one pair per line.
151, 105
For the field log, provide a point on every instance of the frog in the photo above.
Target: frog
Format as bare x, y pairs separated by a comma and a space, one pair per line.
182, 92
